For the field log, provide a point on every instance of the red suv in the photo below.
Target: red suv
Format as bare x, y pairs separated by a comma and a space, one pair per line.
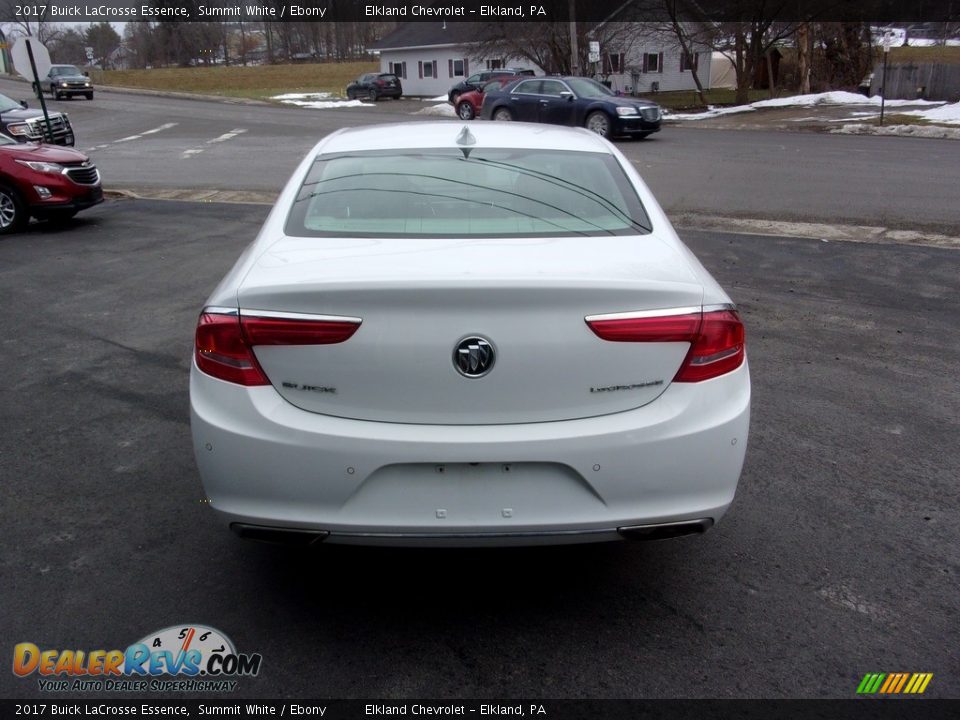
45, 181
478, 80
469, 103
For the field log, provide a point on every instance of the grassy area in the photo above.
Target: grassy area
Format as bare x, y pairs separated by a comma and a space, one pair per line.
687, 100
259, 82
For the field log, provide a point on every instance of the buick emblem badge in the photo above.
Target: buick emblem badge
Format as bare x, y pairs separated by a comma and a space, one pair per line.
473, 357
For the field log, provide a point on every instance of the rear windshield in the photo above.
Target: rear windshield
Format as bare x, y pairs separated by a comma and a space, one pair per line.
466, 193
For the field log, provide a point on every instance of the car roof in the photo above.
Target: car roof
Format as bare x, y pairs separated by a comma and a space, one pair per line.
407, 136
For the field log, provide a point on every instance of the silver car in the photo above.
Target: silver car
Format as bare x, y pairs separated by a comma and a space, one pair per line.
465, 336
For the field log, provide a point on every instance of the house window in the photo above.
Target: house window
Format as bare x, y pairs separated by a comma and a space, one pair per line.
494, 64
612, 63
427, 68
688, 61
458, 68
653, 62
399, 69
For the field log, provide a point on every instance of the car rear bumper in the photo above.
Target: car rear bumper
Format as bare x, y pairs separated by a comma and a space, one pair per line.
270, 466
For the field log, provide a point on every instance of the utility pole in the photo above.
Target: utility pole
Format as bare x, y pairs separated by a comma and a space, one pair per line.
887, 36
574, 50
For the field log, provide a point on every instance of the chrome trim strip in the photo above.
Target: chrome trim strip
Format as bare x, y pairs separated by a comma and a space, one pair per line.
66, 173
473, 535
244, 312
720, 306
644, 314
216, 310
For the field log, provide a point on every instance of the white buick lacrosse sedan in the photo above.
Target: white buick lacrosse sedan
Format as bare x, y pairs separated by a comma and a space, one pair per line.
465, 336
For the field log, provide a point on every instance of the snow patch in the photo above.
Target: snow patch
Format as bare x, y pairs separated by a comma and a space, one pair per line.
836, 97
924, 131
443, 110
317, 101
438, 98
949, 114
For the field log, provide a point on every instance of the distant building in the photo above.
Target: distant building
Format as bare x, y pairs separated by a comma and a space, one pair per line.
429, 58
5, 65
639, 57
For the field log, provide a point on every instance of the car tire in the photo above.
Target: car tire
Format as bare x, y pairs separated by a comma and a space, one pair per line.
372, 95
465, 111
13, 213
599, 123
54, 93
88, 96
351, 95
503, 114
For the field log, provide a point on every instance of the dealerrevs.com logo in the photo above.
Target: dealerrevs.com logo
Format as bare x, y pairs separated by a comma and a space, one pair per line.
180, 658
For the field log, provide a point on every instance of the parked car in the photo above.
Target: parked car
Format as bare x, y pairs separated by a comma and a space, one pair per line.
65, 81
47, 182
471, 335
374, 86
573, 101
478, 80
19, 122
468, 105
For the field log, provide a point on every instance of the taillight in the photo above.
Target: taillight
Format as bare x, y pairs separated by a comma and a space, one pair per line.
290, 331
716, 337
381, 83
224, 343
718, 348
222, 351
667, 328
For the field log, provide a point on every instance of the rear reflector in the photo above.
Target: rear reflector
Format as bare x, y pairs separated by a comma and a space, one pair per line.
225, 342
716, 339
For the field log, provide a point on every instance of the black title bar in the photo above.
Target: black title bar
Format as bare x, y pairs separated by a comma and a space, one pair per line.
587, 11
858, 709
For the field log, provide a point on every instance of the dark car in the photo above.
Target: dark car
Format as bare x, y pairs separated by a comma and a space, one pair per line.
478, 80
65, 81
375, 86
469, 103
577, 101
18, 122
47, 182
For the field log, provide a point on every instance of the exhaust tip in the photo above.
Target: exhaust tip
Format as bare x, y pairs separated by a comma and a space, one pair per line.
665, 531
292, 537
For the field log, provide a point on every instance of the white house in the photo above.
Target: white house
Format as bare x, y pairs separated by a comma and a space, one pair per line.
638, 57
431, 57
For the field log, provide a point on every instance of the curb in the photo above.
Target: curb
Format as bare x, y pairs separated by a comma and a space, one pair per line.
814, 231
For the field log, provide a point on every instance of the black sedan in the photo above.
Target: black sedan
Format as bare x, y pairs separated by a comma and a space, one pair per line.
374, 86
575, 101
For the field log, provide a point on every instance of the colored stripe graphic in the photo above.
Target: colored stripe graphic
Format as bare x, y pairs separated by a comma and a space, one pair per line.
894, 683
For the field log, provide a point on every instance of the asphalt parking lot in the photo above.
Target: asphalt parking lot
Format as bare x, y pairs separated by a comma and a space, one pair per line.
840, 555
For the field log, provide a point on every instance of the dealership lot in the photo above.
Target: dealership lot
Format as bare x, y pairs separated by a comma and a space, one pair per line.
839, 556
